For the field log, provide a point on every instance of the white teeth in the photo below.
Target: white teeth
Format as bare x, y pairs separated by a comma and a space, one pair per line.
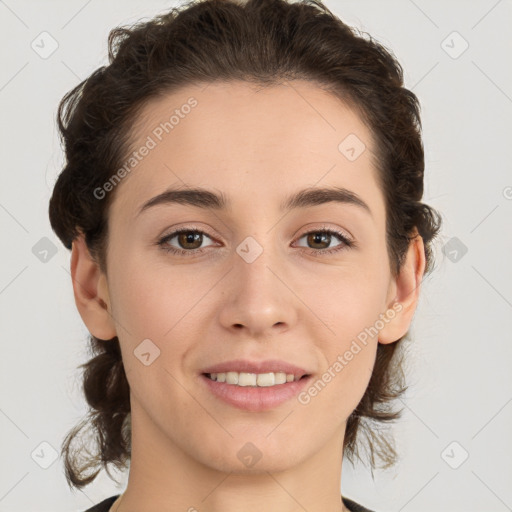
253, 379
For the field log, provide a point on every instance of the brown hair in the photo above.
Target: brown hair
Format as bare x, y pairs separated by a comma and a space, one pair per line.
265, 42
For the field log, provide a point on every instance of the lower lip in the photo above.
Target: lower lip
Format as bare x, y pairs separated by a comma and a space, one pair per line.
255, 398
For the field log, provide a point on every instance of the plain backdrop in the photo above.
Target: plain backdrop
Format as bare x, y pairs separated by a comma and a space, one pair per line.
454, 439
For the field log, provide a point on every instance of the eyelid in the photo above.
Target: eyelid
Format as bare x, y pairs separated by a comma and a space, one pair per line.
187, 229
347, 240
326, 227
307, 230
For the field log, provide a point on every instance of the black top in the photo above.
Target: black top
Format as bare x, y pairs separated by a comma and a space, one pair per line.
105, 505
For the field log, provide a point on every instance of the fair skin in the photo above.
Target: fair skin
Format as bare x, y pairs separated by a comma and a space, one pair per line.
257, 147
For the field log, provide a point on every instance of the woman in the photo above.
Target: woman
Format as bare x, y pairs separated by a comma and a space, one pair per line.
242, 199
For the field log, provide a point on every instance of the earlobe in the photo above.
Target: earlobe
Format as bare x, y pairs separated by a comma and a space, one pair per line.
91, 291
407, 286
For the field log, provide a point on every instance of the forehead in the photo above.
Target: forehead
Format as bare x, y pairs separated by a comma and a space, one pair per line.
248, 142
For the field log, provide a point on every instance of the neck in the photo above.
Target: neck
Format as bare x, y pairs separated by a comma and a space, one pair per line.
164, 476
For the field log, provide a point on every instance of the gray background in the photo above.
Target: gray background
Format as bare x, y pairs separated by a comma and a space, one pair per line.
459, 403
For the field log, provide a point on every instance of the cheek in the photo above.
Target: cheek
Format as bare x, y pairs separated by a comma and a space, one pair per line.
350, 308
348, 300
151, 301
343, 379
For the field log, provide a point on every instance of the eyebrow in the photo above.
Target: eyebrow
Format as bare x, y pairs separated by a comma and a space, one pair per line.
203, 198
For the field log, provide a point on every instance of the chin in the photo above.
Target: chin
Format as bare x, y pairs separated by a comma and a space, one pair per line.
274, 464
243, 456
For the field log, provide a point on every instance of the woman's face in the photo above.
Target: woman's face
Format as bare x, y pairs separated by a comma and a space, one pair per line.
258, 282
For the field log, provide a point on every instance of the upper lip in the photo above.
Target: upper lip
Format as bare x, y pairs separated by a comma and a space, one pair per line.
246, 366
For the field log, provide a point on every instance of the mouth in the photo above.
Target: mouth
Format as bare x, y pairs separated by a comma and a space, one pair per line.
255, 392
245, 379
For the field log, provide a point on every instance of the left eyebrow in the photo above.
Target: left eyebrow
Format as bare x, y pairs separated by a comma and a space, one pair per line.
206, 199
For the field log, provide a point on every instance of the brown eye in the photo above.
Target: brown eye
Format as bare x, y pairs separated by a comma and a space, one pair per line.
193, 238
321, 239
188, 241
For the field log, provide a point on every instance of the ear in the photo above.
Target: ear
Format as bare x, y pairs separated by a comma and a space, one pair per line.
404, 293
91, 291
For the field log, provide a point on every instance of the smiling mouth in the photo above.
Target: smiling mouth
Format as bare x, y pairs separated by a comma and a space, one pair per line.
255, 392
245, 379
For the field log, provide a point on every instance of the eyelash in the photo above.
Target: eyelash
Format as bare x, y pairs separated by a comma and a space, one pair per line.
347, 244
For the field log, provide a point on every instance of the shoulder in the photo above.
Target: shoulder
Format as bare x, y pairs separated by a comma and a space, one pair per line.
353, 506
104, 506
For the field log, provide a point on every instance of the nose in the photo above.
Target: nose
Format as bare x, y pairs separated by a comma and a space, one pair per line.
258, 295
